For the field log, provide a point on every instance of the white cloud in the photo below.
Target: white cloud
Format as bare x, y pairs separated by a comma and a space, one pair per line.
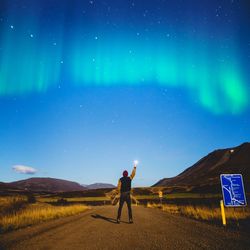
24, 169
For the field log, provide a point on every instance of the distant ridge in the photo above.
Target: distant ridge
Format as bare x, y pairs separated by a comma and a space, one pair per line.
205, 174
47, 185
99, 186
50, 185
7, 186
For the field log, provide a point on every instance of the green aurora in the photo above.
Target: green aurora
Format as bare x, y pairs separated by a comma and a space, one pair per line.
33, 60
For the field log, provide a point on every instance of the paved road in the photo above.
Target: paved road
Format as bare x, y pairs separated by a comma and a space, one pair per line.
96, 229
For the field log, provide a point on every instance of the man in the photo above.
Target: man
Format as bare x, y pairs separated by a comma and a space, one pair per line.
124, 187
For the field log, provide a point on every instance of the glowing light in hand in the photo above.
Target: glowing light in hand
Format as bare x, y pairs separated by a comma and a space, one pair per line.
136, 162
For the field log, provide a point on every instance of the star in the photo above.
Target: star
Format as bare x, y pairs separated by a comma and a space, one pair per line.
31, 35
145, 13
12, 27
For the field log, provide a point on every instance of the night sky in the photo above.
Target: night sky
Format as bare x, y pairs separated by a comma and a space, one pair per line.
86, 87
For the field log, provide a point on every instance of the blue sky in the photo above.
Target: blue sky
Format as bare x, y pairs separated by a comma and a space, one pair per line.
92, 134
90, 88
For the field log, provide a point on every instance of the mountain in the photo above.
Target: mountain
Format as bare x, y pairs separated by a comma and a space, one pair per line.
6, 186
205, 174
8, 189
99, 186
3, 185
47, 185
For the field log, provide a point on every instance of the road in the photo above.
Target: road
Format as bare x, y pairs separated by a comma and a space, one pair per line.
96, 229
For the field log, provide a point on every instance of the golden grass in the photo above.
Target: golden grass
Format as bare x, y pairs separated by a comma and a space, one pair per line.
37, 213
177, 196
73, 199
8, 200
87, 199
112, 194
204, 213
11, 204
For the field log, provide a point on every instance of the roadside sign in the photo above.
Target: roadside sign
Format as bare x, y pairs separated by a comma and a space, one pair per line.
160, 194
233, 190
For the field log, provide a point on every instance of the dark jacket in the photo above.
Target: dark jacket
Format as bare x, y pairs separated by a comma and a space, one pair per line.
124, 184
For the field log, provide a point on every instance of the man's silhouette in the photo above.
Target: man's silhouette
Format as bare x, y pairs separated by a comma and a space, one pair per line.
124, 187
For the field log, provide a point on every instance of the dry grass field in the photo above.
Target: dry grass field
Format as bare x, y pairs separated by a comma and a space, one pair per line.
72, 199
12, 204
17, 212
204, 213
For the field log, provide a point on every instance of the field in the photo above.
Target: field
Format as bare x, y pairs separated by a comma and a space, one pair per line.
203, 212
236, 218
17, 212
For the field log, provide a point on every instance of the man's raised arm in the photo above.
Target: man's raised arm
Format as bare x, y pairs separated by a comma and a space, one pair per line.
133, 173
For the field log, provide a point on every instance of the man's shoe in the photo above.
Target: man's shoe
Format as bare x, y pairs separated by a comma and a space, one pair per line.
131, 221
118, 221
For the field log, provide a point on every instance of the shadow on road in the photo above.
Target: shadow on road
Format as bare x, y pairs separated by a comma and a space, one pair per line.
98, 216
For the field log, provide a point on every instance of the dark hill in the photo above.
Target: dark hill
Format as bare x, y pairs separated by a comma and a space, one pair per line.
99, 186
205, 174
47, 185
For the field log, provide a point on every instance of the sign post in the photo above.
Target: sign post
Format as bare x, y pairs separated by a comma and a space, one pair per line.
160, 196
233, 193
223, 216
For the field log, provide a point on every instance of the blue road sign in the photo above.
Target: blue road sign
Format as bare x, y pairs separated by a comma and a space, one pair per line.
233, 190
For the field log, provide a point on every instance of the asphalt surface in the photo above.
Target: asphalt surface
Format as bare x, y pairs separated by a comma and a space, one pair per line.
97, 229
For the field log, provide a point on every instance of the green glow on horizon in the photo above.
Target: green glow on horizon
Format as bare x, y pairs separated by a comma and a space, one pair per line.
208, 80
35, 65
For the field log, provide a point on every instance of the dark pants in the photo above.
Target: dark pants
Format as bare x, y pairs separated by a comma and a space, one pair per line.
125, 197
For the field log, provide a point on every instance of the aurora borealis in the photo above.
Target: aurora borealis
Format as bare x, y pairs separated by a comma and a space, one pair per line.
176, 58
41, 49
